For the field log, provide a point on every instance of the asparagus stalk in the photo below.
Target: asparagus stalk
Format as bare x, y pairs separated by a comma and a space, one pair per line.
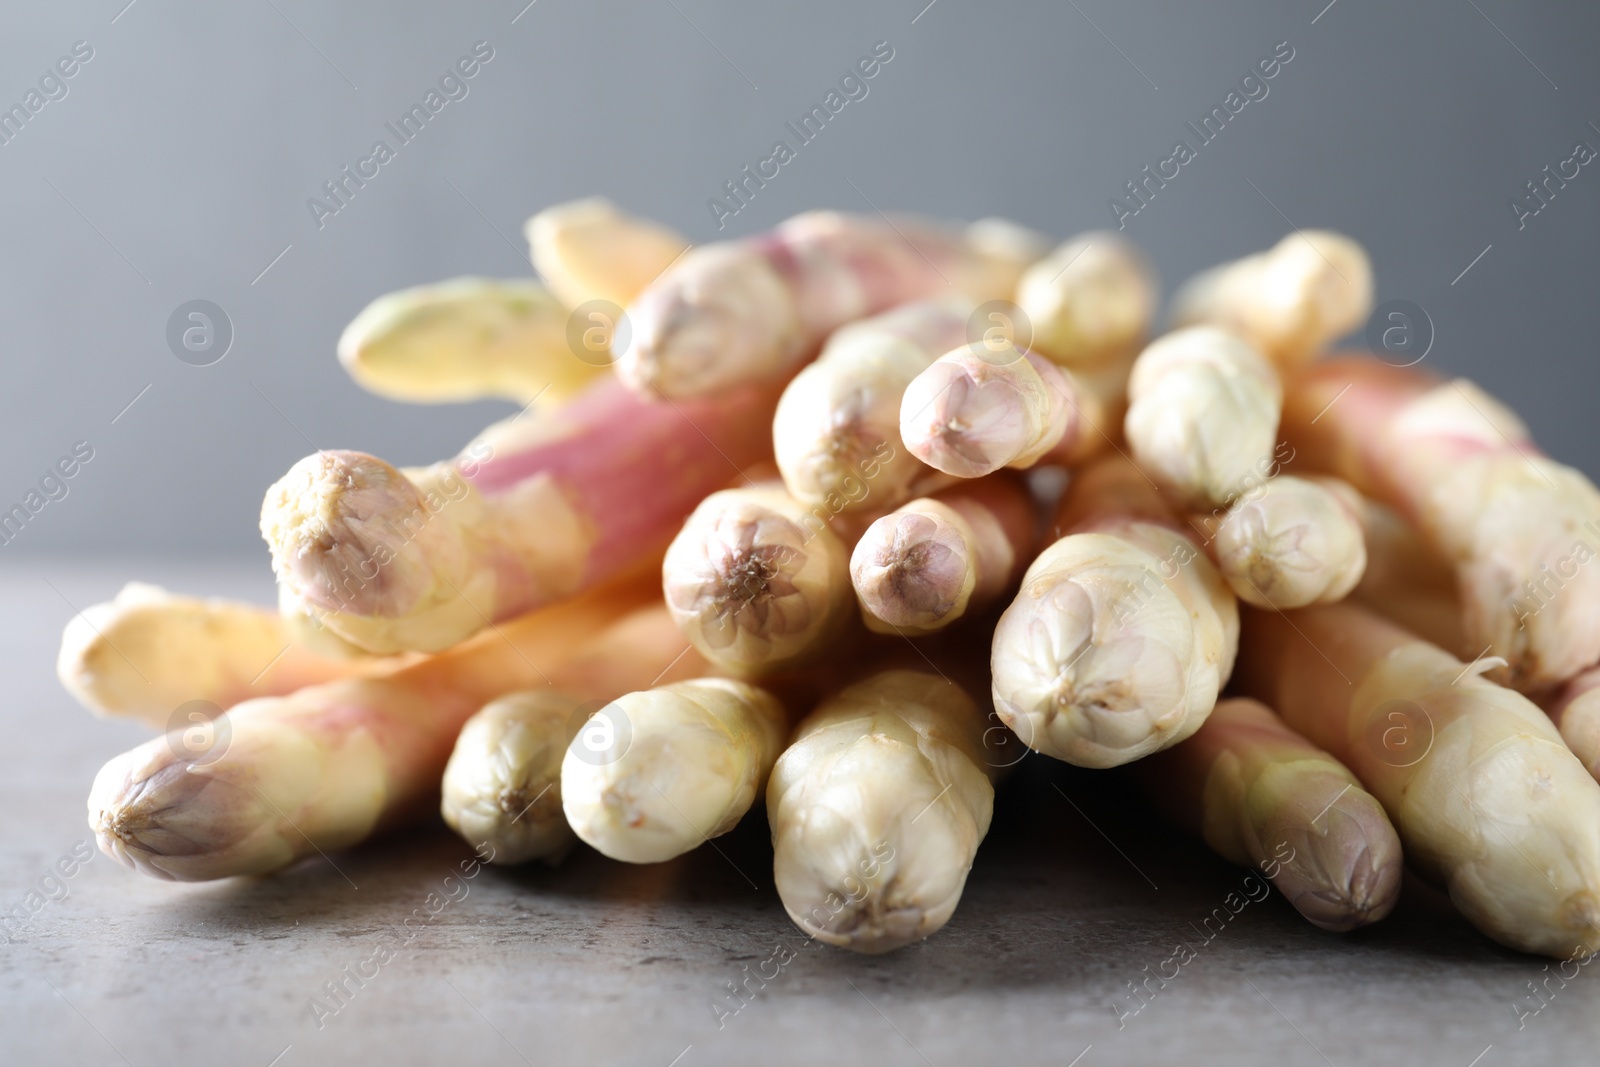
1491, 805
587, 250
1291, 302
1203, 417
757, 583
1090, 302
671, 767
1292, 542
1123, 631
836, 435
324, 768
1265, 797
531, 512
744, 311
989, 405
1520, 529
149, 652
1407, 582
928, 564
877, 811
463, 339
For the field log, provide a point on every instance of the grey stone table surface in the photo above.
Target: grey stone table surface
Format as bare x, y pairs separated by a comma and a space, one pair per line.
1076, 893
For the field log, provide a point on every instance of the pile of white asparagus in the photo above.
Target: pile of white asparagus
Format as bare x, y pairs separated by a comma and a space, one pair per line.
770, 532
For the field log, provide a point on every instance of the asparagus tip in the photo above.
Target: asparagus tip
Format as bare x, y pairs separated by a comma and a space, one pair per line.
909, 569
957, 422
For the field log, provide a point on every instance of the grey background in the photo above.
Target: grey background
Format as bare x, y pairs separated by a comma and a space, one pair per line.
180, 163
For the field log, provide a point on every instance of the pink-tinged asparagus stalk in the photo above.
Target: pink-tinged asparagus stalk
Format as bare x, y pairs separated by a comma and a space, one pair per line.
757, 583
1290, 542
1490, 804
988, 405
923, 567
149, 652
1089, 303
286, 777
1408, 583
588, 250
750, 310
1264, 797
1291, 302
1123, 632
1521, 529
836, 435
533, 511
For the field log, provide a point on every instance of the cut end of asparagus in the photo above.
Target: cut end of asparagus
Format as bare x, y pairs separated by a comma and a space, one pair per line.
911, 570
502, 786
963, 419
337, 525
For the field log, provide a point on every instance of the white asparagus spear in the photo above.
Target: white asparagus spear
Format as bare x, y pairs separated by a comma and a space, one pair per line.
1489, 802
1520, 529
1291, 302
836, 434
1122, 634
1292, 542
877, 811
989, 405
750, 310
149, 652
1203, 415
463, 339
926, 565
757, 583
589, 250
659, 771
502, 786
282, 778
1090, 301
1265, 797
